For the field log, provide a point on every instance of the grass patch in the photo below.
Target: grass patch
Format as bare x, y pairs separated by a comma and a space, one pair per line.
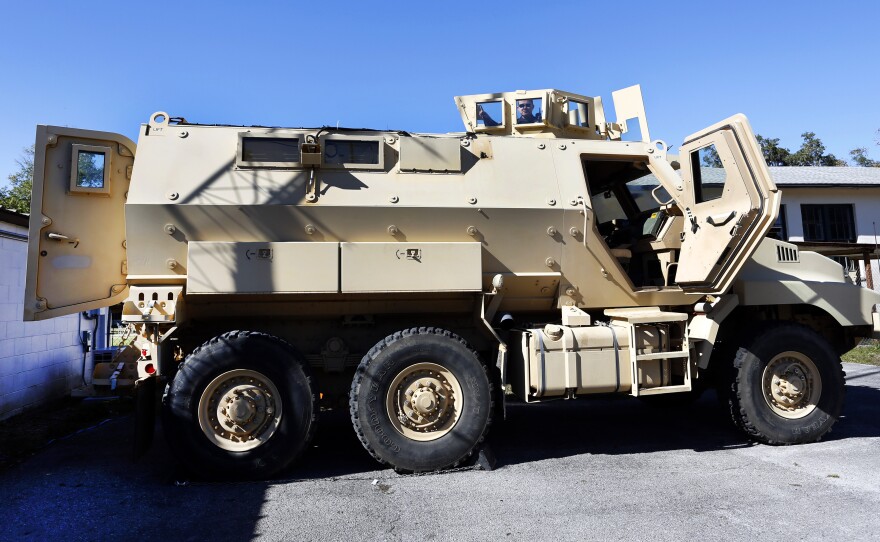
868, 354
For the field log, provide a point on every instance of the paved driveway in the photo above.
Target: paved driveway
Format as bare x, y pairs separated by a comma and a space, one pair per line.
580, 470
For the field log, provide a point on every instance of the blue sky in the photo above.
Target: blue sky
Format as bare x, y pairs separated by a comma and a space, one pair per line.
790, 67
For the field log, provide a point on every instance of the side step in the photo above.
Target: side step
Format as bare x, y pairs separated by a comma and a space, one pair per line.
645, 324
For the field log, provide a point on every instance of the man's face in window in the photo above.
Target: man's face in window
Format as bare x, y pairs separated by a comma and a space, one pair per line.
525, 108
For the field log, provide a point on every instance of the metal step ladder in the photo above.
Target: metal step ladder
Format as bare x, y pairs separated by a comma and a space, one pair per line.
635, 319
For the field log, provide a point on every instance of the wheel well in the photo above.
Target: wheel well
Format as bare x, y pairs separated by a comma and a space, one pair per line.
744, 318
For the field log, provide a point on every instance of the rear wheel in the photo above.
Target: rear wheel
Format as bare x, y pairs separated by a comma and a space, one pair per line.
421, 400
241, 406
788, 386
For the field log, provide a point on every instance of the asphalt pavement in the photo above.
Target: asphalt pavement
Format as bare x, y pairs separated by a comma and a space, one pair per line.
609, 469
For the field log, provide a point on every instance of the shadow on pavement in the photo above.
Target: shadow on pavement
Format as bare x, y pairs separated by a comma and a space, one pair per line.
616, 425
88, 485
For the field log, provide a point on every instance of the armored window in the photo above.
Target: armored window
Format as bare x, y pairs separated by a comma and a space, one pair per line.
90, 169
529, 111
828, 223
709, 175
268, 151
349, 152
578, 114
490, 114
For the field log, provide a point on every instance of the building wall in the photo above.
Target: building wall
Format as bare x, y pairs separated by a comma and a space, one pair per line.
866, 215
865, 201
39, 361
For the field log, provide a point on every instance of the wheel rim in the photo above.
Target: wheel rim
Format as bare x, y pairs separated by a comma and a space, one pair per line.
424, 401
792, 385
240, 410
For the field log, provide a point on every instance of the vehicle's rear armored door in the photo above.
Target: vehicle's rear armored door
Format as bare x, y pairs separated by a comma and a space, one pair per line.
730, 203
76, 245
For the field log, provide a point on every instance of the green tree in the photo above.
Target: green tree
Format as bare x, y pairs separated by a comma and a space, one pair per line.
860, 157
812, 153
709, 157
90, 169
774, 154
17, 196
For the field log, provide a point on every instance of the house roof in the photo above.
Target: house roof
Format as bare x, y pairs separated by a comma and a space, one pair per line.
825, 176
804, 176
13, 217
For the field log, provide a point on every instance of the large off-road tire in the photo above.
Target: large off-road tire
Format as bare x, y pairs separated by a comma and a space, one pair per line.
421, 400
240, 406
787, 385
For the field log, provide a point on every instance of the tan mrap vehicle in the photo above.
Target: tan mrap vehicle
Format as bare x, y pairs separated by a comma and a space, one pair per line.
420, 279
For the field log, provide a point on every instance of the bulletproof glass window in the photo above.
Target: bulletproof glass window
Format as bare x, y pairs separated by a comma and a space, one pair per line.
578, 114
351, 151
270, 150
90, 169
490, 114
528, 110
708, 174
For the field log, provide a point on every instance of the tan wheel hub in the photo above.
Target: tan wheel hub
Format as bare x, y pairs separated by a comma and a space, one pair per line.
424, 401
792, 385
239, 410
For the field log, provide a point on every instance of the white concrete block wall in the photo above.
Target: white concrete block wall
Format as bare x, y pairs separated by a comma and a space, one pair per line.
39, 361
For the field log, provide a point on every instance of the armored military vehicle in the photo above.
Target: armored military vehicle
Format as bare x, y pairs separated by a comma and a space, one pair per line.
420, 280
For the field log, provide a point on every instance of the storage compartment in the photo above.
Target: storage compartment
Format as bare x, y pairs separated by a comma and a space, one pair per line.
555, 360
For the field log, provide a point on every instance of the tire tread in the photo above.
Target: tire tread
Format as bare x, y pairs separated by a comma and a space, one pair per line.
370, 357
740, 414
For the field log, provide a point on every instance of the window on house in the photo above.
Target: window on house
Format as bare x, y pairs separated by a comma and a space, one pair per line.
779, 229
829, 223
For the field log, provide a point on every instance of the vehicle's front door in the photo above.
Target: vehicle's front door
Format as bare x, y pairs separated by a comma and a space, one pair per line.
729, 202
76, 245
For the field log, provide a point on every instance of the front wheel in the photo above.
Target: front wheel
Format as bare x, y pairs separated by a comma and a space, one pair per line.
788, 386
421, 400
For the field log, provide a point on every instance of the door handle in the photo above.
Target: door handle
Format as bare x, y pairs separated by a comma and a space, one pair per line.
721, 218
63, 238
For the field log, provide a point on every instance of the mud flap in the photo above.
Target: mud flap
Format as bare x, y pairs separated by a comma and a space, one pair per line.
144, 416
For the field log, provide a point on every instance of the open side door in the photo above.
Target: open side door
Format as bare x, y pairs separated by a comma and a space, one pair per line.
729, 202
76, 245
